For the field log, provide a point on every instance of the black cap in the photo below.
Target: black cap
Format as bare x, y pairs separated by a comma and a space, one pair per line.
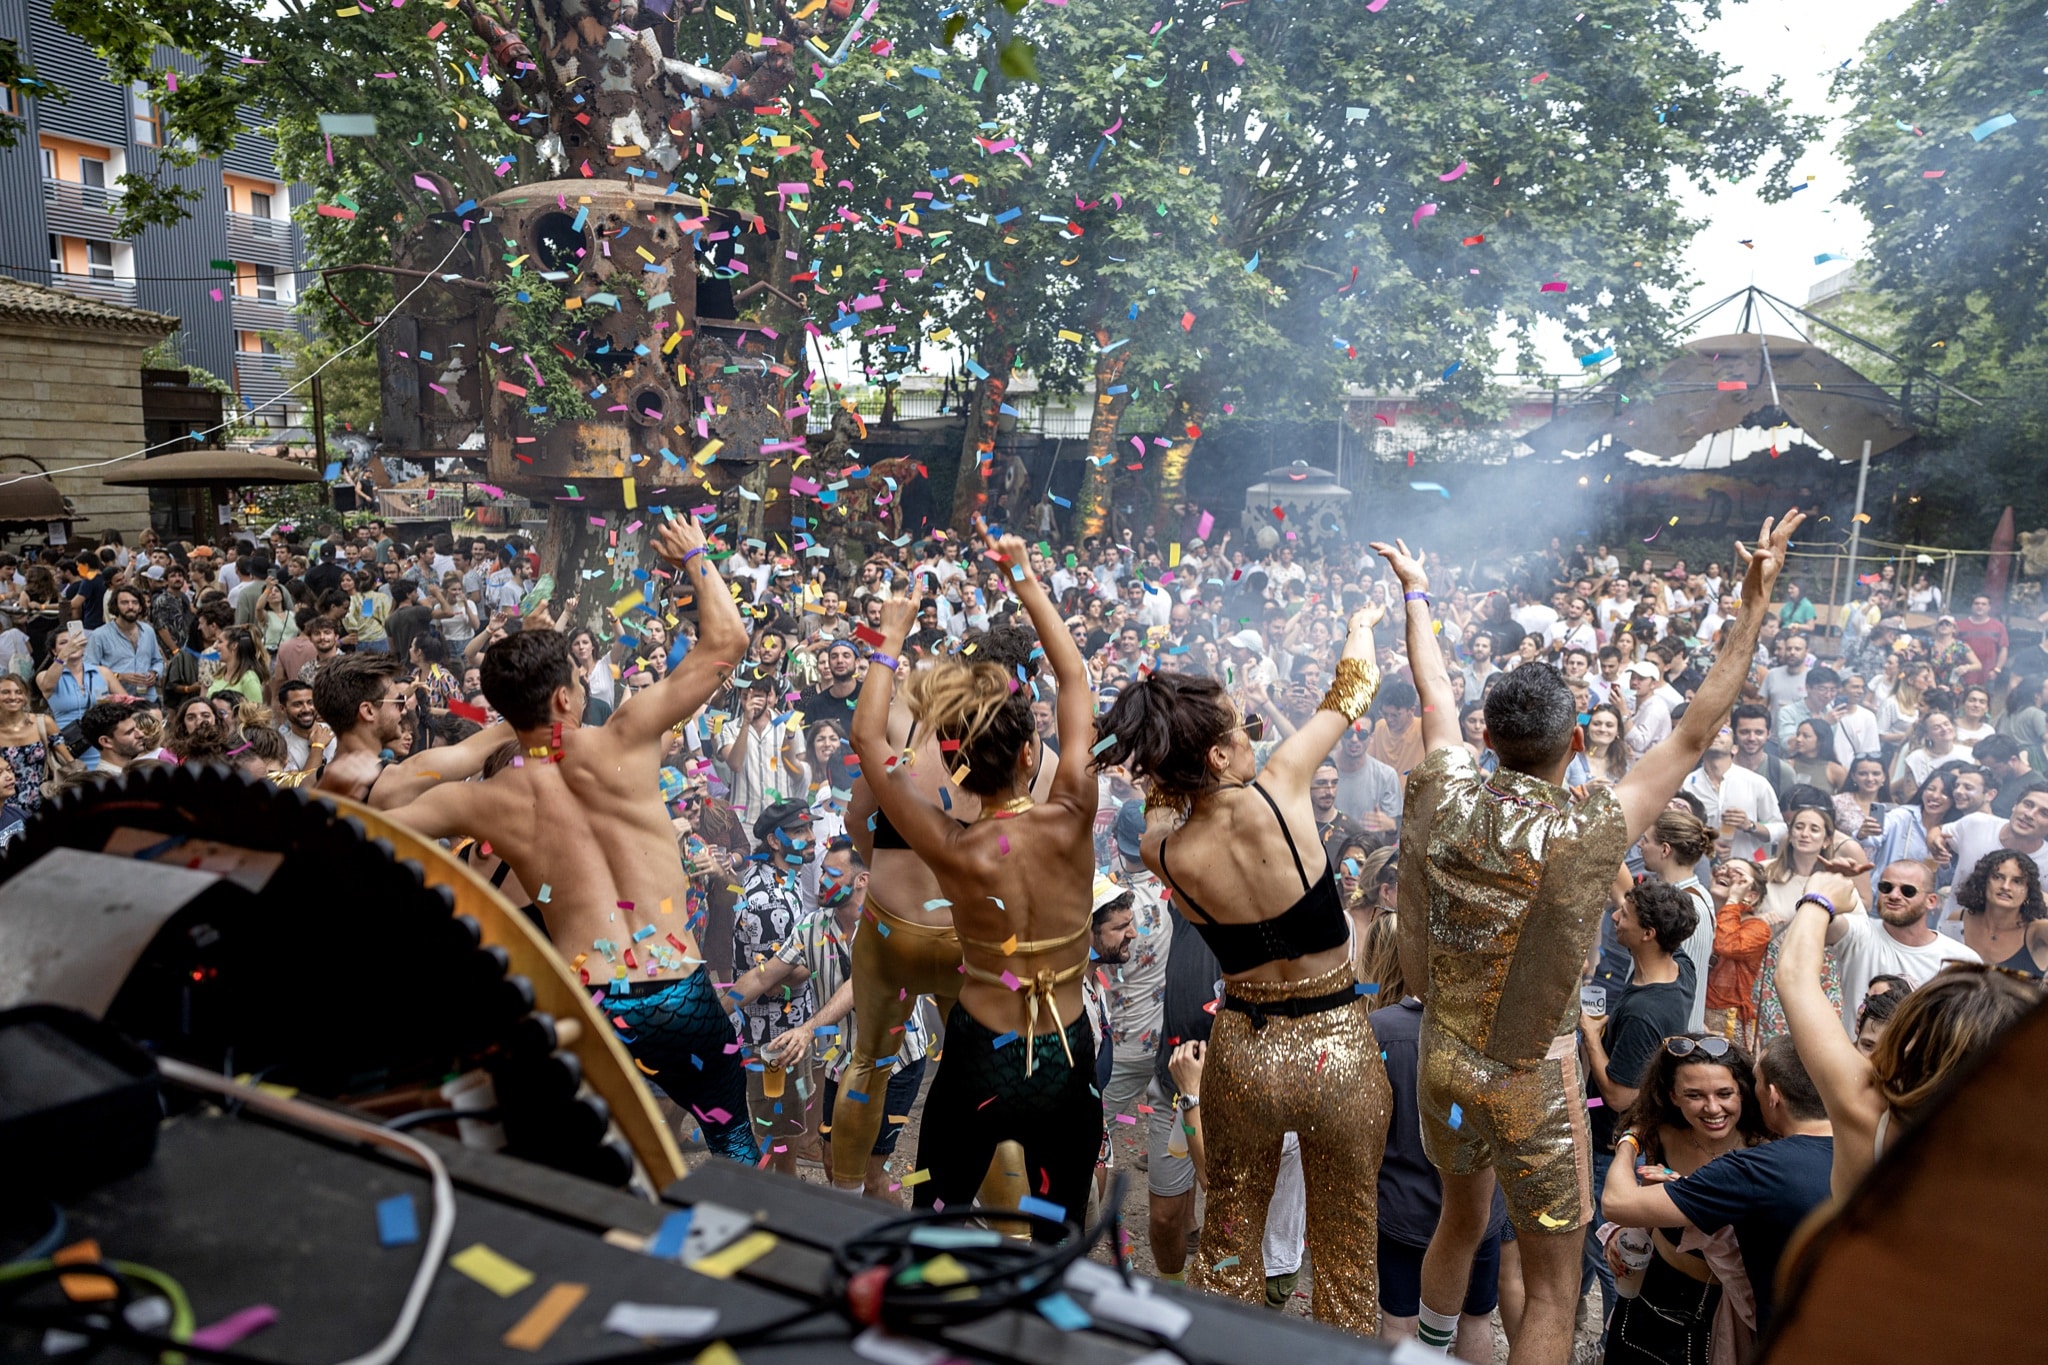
781, 815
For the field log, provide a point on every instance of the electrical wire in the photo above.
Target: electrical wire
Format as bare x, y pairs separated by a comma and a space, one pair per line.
420, 1117
48, 1242
428, 279
440, 1229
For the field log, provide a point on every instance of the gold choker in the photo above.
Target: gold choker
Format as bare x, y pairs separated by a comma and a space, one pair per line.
997, 810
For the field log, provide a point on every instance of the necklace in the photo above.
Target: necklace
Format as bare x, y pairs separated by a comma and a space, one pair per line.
998, 810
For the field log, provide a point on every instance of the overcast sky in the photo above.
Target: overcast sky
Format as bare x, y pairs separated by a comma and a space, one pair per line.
1803, 43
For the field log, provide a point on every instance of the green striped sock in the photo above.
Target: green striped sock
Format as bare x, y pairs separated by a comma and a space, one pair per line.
1436, 1330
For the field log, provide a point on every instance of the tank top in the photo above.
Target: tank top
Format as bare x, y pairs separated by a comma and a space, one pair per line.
1315, 923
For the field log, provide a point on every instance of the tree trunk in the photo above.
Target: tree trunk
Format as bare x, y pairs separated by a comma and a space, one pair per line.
978, 441
1184, 429
592, 563
1091, 508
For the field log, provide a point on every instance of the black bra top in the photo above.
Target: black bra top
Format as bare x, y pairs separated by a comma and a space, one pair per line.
886, 834
1315, 923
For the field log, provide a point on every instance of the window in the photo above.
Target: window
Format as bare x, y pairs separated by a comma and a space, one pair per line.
56, 255
259, 204
266, 282
93, 172
147, 117
99, 260
9, 103
49, 163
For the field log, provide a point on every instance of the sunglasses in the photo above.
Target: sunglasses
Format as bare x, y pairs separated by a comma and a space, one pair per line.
1905, 889
1682, 1046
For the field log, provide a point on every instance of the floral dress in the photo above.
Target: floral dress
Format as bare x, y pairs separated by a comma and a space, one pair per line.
28, 762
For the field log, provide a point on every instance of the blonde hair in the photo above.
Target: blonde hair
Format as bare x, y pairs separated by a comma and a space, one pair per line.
1379, 962
980, 717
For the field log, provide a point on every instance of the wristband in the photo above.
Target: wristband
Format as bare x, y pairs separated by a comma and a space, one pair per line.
1822, 901
888, 661
1414, 597
688, 555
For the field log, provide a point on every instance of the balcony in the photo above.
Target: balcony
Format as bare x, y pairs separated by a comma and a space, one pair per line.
93, 287
261, 241
253, 314
75, 210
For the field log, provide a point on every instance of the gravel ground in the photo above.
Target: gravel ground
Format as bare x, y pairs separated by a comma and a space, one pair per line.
1137, 1229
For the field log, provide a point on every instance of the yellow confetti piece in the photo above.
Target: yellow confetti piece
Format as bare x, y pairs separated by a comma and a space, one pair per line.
869, 117
542, 1320
943, 1270
502, 1277
717, 1353
645, 1069
632, 492
729, 18
1066, 335
1550, 1222
723, 1265
668, 905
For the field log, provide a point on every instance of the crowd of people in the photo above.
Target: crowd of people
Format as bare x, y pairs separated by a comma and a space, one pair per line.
1487, 943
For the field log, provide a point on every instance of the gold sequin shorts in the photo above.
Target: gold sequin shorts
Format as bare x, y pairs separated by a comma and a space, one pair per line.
1526, 1122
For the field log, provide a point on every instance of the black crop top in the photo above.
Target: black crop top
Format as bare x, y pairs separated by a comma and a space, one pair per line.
1313, 924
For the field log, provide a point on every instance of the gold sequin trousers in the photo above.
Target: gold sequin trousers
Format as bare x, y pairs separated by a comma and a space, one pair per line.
1320, 1076
895, 961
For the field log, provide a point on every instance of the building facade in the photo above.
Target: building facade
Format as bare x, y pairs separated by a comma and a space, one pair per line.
58, 212
72, 398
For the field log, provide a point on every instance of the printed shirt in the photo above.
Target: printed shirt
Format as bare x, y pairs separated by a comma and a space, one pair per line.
816, 944
766, 916
1137, 988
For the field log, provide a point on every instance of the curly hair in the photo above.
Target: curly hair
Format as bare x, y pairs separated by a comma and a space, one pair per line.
1943, 1025
1162, 728
1656, 1103
982, 719
1973, 894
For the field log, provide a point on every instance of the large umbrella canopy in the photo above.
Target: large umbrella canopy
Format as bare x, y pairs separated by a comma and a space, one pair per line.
32, 500
199, 468
1722, 383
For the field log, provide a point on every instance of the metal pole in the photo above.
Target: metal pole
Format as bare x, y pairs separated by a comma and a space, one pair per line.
1856, 524
319, 425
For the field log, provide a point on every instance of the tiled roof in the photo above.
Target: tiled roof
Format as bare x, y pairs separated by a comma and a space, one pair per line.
24, 302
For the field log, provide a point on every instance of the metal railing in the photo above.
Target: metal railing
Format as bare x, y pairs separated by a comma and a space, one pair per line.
93, 287
277, 230
70, 194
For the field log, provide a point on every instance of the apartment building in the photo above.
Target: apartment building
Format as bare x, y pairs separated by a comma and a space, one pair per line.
228, 272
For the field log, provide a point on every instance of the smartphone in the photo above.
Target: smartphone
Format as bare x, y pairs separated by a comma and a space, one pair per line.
74, 628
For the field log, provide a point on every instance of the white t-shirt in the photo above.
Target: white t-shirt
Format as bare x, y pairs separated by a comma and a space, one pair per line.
1971, 839
1867, 951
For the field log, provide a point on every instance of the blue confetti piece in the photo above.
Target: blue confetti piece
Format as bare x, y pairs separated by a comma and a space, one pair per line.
398, 1223
667, 1242
1990, 126
856, 1096
1042, 1208
1457, 1117
1003, 1039
1063, 1313
1372, 988
1604, 353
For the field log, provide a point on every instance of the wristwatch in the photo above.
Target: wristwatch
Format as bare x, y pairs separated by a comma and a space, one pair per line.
1822, 901
1183, 1103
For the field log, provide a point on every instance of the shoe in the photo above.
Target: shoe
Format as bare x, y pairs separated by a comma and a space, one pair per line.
1144, 1160
1280, 1288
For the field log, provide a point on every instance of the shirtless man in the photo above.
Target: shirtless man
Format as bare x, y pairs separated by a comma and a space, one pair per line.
358, 697
579, 815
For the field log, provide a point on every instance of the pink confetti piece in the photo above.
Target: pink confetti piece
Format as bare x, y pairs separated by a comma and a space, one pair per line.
1426, 211
1235, 57
1376, 6
1462, 168
1009, 979
1555, 287
234, 1327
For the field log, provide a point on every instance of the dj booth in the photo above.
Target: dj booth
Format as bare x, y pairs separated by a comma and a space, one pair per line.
280, 1082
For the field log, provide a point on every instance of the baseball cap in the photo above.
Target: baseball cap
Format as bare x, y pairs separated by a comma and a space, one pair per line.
1247, 639
1129, 828
1106, 891
154, 571
1642, 668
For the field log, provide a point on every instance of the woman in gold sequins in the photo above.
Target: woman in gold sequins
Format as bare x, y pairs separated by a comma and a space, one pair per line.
1292, 1049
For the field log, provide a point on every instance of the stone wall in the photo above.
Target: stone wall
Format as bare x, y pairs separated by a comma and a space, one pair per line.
71, 397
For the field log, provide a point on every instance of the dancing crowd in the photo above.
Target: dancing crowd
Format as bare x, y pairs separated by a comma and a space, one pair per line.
1480, 932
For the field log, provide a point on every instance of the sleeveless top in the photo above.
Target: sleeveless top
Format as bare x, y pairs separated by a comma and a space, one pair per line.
1315, 923
2022, 962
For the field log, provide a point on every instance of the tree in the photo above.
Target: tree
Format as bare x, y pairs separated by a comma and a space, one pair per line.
1948, 150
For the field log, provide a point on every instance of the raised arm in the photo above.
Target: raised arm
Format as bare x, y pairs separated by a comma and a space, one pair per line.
1294, 760
721, 642
1425, 656
924, 826
1842, 1075
429, 768
1651, 783
1072, 784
